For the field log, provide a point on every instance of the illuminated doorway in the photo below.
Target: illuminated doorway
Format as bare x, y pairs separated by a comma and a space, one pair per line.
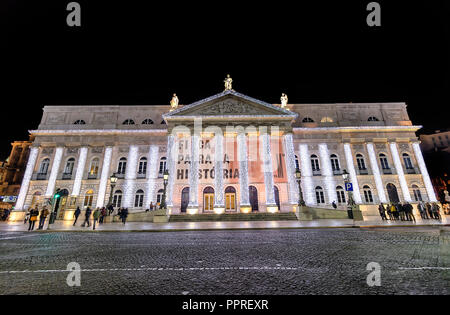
208, 199
230, 199
253, 194
61, 202
184, 199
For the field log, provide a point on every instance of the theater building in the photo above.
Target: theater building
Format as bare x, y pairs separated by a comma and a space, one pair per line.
228, 153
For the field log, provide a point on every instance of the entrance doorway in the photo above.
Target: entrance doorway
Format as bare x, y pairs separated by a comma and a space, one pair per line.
208, 199
230, 198
253, 194
392, 193
184, 199
277, 196
61, 202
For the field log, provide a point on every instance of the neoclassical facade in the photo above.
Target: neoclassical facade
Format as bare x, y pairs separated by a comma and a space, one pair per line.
226, 153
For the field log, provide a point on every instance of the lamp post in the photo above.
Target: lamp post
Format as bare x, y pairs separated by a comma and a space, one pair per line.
166, 180
112, 180
298, 176
351, 202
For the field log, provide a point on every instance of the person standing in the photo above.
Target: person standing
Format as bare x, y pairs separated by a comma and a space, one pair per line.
436, 213
102, 215
382, 211
87, 217
124, 215
33, 217
152, 206
76, 214
95, 216
409, 212
43, 217
429, 210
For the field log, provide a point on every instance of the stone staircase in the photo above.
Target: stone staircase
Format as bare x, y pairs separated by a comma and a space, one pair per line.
255, 216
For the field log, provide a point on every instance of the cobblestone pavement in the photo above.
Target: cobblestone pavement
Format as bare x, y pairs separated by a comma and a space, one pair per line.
316, 261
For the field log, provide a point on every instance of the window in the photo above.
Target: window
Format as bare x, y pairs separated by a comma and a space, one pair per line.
367, 194
417, 194
208, 199
122, 166
162, 166
88, 198
117, 199
320, 198
139, 199
297, 165
93, 169
142, 165
360, 161
147, 121
407, 161
43, 169
315, 163
307, 120
340, 194
373, 118
230, 198
163, 122
326, 120
159, 196
128, 122
384, 162
79, 122
334, 162
69, 166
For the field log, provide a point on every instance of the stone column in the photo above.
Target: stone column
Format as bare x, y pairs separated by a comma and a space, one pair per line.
130, 176
376, 173
104, 177
290, 168
171, 158
244, 202
192, 207
327, 172
268, 172
80, 171
152, 175
352, 172
34, 151
307, 182
424, 172
219, 203
401, 175
54, 172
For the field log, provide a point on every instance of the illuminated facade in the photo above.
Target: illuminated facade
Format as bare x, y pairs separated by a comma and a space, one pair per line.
226, 153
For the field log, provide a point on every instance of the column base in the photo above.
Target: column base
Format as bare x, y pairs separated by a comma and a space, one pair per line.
272, 208
357, 213
161, 216
245, 208
192, 209
304, 214
16, 216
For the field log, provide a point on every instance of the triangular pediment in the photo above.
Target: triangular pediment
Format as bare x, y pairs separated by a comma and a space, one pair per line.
229, 103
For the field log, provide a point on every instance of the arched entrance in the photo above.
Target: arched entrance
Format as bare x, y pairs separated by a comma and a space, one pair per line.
36, 199
60, 204
230, 198
184, 199
208, 199
392, 193
277, 196
253, 195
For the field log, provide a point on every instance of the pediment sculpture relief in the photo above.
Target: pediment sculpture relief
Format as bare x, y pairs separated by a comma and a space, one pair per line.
229, 107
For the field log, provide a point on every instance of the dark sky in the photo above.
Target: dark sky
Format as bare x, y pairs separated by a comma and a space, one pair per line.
130, 53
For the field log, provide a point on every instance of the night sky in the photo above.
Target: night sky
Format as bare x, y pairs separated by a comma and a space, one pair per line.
130, 53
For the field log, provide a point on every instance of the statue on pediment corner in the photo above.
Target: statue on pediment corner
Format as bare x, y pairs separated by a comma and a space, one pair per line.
284, 100
228, 83
174, 102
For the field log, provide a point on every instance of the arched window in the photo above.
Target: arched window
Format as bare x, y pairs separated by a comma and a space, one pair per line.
88, 198
159, 196
142, 165
117, 199
297, 164
334, 162
315, 163
407, 161
367, 194
320, 198
307, 120
69, 166
208, 199
326, 120
43, 169
162, 166
340, 194
122, 166
417, 194
139, 199
79, 122
93, 168
361, 162
128, 122
230, 198
163, 122
373, 118
384, 162
147, 121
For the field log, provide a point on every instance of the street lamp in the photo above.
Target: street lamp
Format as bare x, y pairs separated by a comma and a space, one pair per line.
166, 180
351, 202
113, 180
298, 176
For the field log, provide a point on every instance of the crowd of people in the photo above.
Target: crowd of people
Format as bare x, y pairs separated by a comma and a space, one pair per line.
404, 211
33, 214
99, 215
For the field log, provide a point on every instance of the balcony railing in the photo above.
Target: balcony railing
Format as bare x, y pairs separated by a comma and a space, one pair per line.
140, 175
92, 176
337, 172
66, 176
120, 175
316, 173
387, 171
363, 171
411, 171
41, 176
